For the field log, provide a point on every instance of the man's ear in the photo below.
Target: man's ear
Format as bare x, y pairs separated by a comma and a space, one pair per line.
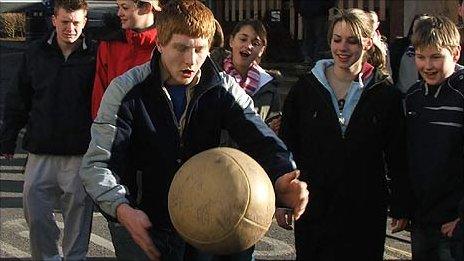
144, 9
54, 20
159, 48
456, 53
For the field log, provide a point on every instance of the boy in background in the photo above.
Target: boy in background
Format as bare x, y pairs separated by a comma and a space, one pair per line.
435, 111
51, 98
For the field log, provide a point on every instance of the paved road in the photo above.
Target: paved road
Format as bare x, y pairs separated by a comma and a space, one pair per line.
278, 244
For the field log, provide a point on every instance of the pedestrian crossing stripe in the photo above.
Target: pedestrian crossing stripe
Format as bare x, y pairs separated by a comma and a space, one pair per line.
13, 251
11, 168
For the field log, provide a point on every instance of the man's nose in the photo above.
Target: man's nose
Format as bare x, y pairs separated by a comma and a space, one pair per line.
189, 56
70, 27
428, 63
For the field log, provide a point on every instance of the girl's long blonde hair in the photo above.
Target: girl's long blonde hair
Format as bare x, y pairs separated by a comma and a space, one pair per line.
362, 27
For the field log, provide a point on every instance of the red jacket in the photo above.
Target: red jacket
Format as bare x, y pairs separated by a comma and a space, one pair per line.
117, 53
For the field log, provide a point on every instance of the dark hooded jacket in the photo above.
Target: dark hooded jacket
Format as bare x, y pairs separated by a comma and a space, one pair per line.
50, 95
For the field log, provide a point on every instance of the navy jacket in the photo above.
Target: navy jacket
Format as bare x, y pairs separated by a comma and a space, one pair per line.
436, 148
136, 126
51, 96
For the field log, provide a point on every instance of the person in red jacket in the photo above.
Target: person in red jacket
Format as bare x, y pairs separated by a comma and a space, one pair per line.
123, 49
118, 52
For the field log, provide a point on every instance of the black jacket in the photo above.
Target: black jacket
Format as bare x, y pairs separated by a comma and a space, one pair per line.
397, 49
136, 124
347, 173
436, 148
51, 96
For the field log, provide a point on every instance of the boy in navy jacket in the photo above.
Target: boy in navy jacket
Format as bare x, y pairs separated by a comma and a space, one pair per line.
435, 111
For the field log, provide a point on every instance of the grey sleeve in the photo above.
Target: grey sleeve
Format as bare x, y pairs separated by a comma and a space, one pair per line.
110, 132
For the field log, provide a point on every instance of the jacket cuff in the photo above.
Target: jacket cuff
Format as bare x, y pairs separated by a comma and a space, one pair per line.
110, 207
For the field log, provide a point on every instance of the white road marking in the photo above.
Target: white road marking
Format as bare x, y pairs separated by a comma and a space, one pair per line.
280, 248
96, 239
399, 251
19, 225
11, 168
13, 251
20, 156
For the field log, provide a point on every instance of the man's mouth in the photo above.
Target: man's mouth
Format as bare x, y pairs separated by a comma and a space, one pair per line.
187, 73
245, 54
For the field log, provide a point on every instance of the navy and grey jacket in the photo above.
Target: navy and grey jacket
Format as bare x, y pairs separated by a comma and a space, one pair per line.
51, 96
136, 127
435, 120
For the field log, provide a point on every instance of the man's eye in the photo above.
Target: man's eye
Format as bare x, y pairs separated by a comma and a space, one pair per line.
199, 50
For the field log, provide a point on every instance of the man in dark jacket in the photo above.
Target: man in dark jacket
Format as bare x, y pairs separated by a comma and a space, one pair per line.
434, 108
51, 96
315, 15
159, 114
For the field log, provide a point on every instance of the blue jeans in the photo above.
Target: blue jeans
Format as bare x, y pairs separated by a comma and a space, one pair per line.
428, 243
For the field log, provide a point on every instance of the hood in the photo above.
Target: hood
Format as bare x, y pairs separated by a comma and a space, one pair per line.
264, 77
369, 74
146, 38
319, 72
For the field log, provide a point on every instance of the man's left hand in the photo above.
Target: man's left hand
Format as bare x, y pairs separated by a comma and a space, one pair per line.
398, 225
292, 192
447, 229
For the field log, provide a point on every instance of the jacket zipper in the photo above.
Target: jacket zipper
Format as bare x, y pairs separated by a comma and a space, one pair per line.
331, 108
171, 108
185, 116
363, 94
361, 99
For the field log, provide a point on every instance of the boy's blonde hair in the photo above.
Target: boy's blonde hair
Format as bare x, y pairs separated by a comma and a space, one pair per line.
187, 17
436, 31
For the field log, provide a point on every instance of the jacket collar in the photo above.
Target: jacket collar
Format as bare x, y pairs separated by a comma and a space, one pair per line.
455, 80
373, 75
52, 42
145, 38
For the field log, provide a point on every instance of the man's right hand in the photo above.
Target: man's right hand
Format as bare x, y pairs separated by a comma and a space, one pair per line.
6, 155
138, 224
